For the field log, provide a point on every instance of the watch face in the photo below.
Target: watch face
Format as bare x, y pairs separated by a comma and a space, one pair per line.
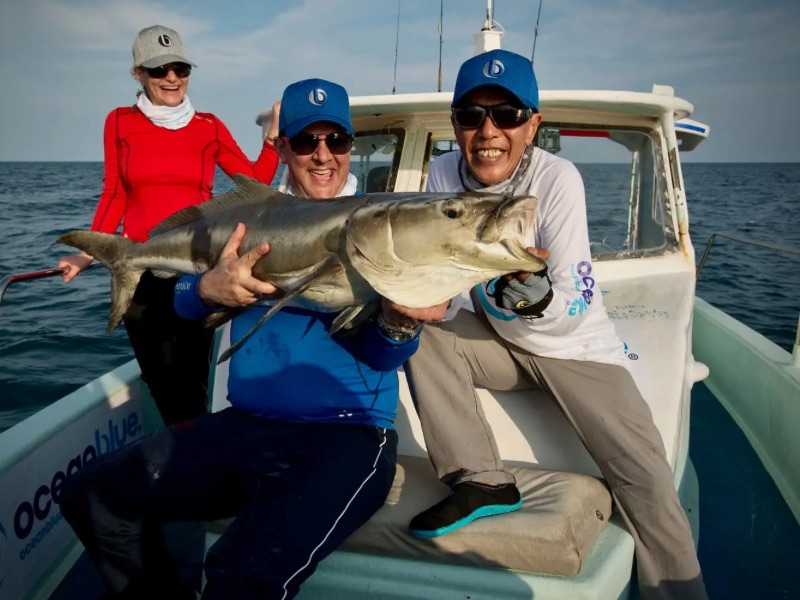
399, 334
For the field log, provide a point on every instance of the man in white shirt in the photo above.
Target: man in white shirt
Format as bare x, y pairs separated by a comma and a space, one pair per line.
543, 329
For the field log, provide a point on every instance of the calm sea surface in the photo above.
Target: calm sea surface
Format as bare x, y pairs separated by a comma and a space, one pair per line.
53, 339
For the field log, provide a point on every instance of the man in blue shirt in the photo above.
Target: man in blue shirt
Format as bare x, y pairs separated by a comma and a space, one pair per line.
305, 454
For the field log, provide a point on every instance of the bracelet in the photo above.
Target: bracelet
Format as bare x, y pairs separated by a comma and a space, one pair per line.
398, 333
270, 139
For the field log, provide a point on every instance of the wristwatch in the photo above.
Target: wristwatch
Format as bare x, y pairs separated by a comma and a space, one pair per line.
398, 333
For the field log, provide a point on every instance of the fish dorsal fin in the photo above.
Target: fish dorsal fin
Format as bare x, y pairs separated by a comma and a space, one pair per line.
247, 190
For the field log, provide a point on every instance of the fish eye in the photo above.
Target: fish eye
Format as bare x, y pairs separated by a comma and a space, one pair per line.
453, 211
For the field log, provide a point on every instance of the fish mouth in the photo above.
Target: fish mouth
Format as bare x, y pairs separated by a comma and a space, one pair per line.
511, 222
510, 226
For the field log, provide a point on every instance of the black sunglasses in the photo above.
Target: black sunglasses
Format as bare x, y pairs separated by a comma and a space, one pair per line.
303, 144
504, 116
180, 69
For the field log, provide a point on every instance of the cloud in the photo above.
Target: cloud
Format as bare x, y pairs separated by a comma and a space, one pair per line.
69, 61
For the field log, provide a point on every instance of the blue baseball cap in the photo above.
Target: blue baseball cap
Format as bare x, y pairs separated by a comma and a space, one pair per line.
500, 68
313, 100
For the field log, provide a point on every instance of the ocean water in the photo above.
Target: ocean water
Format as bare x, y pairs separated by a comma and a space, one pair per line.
53, 338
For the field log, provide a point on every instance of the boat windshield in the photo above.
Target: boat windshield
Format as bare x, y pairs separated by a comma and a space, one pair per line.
625, 181
374, 159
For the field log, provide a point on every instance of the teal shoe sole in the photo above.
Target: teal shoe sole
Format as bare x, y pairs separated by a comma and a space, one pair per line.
483, 511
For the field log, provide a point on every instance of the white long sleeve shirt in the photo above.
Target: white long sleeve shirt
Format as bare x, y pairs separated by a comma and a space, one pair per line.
575, 324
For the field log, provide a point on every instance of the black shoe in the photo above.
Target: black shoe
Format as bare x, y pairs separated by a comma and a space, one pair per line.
467, 501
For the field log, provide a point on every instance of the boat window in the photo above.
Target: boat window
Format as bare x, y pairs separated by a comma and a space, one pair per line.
375, 158
625, 186
434, 148
624, 178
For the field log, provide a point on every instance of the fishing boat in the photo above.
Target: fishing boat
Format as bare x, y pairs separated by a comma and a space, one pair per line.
566, 541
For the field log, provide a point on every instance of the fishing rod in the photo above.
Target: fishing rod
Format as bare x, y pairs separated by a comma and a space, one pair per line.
536, 30
9, 279
441, 32
396, 47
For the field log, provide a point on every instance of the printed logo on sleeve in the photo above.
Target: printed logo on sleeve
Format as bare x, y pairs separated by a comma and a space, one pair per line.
584, 283
489, 307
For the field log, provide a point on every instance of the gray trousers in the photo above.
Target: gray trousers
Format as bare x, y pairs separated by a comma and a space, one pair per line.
604, 406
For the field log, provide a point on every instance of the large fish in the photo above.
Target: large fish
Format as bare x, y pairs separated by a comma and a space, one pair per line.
416, 249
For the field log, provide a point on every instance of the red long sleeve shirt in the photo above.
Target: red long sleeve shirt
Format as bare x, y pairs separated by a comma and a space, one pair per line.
152, 172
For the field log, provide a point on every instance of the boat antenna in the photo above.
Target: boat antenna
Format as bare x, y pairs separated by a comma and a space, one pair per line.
396, 46
536, 30
441, 32
488, 38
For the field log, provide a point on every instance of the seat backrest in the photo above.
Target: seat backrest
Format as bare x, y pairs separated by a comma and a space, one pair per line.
377, 179
529, 427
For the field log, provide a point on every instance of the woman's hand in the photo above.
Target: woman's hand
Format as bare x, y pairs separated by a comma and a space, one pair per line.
73, 265
272, 132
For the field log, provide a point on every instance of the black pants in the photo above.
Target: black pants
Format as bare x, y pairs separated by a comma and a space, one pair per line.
298, 490
173, 353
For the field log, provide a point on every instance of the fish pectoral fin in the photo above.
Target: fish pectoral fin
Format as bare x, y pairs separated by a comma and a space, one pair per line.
325, 269
349, 320
219, 318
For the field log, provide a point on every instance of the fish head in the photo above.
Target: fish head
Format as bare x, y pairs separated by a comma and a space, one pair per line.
420, 250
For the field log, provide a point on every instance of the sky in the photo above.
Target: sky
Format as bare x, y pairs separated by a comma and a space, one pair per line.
64, 64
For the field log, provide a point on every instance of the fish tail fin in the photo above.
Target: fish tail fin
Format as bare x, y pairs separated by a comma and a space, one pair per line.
105, 247
113, 251
123, 286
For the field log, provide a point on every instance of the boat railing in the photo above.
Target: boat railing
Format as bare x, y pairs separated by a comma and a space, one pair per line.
768, 245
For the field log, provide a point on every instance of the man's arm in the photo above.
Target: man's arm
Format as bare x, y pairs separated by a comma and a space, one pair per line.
390, 339
564, 231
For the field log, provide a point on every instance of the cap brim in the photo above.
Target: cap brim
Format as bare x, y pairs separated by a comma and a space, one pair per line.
297, 126
165, 59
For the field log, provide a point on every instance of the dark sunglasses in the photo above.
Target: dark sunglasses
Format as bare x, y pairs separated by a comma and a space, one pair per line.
504, 116
304, 143
180, 69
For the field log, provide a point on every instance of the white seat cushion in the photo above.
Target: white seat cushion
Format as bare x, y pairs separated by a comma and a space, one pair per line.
561, 518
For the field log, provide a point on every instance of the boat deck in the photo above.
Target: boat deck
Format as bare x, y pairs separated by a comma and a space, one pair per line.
749, 539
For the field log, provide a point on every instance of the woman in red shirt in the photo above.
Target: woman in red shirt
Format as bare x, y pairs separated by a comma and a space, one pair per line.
160, 157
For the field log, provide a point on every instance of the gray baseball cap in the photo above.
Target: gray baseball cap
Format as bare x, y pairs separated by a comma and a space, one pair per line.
158, 45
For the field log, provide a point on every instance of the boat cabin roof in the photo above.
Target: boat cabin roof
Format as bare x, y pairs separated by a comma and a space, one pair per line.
567, 106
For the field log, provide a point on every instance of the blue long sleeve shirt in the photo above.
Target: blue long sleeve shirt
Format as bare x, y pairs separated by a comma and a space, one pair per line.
292, 369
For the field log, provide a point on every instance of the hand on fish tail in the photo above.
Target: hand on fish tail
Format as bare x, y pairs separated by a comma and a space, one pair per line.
112, 251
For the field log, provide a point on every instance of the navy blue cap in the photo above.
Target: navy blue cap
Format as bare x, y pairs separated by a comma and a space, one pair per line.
501, 68
310, 101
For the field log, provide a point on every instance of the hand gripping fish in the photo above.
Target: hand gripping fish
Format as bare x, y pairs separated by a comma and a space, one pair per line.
416, 249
